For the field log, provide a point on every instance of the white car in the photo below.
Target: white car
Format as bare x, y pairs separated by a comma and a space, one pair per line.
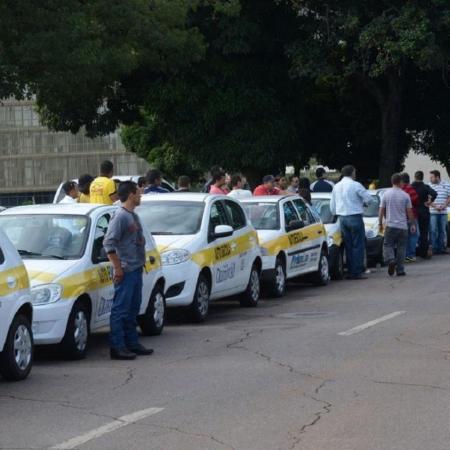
16, 314
336, 248
59, 195
71, 277
293, 240
209, 249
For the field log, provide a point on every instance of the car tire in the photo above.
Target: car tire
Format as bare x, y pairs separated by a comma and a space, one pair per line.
277, 285
75, 342
250, 297
152, 321
322, 276
337, 271
16, 359
199, 308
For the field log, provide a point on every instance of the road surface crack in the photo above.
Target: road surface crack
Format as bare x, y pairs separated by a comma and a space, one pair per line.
128, 377
195, 434
418, 385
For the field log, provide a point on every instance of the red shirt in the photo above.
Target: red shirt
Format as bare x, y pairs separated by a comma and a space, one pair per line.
414, 198
262, 190
216, 190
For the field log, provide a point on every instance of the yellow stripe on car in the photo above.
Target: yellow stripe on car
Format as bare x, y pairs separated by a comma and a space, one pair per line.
293, 238
13, 280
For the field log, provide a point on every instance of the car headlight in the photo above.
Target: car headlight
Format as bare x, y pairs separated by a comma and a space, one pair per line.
172, 257
330, 241
45, 294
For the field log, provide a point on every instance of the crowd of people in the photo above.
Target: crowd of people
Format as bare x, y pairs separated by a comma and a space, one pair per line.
413, 216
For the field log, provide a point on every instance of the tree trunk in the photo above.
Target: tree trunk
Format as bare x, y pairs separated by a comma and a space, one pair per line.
391, 130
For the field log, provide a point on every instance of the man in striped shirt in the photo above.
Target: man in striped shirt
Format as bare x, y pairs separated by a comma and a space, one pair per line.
438, 210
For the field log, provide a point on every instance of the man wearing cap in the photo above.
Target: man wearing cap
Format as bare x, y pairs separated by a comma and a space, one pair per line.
267, 187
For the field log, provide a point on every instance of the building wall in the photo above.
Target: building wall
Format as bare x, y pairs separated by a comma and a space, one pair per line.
415, 162
34, 159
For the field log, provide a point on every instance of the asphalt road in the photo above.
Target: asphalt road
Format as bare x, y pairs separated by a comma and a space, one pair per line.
294, 373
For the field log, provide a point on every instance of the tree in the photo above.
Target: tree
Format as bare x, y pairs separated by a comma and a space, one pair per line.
377, 45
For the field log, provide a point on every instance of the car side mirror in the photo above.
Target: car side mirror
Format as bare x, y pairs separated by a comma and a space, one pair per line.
295, 225
222, 231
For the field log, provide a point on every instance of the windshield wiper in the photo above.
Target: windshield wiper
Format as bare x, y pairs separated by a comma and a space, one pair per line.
54, 256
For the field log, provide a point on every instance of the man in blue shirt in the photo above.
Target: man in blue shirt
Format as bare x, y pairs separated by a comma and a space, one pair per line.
347, 202
154, 183
322, 184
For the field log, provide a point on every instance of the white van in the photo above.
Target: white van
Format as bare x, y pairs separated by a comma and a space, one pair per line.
16, 314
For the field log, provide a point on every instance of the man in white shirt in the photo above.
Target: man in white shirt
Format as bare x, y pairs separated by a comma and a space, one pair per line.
439, 216
70, 188
347, 202
236, 188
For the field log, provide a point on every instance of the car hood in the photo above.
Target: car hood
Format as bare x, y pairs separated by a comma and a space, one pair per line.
41, 271
164, 243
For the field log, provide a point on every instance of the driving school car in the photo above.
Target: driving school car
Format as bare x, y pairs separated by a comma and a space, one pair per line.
374, 237
208, 248
292, 238
16, 313
71, 277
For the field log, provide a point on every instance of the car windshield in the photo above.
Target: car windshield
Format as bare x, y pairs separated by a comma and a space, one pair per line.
264, 216
172, 218
43, 236
322, 207
373, 208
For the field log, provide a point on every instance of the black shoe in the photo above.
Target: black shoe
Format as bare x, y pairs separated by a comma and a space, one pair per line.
401, 274
122, 354
391, 268
141, 350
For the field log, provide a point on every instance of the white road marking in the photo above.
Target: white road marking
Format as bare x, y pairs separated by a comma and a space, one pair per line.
366, 325
107, 428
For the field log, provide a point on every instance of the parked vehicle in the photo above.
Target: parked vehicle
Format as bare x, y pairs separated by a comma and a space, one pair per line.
292, 239
209, 249
71, 277
16, 314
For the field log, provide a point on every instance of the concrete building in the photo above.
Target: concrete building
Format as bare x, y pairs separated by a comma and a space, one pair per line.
35, 160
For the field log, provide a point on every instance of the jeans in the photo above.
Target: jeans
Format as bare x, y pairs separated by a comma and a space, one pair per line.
438, 232
354, 235
395, 238
413, 239
125, 309
424, 229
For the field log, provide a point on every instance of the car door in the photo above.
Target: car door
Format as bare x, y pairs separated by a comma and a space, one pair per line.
243, 243
103, 296
313, 234
223, 253
296, 257
152, 264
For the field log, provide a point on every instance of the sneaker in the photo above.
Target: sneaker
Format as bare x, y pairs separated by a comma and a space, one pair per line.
410, 259
391, 268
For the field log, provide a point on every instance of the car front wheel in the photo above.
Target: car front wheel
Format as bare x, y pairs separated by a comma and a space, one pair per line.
277, 286
16, 359
75, 342
199, 308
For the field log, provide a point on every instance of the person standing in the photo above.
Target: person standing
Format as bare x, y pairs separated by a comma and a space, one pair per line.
267, 187
438, 210
184, 184
70, 188
124, 244
321, 184
348, 199
154, 179
304, 190
84, 186
293, 185
426, 197
103, 189
236, 188
218, 184
413, 238
214, 170
397, 210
